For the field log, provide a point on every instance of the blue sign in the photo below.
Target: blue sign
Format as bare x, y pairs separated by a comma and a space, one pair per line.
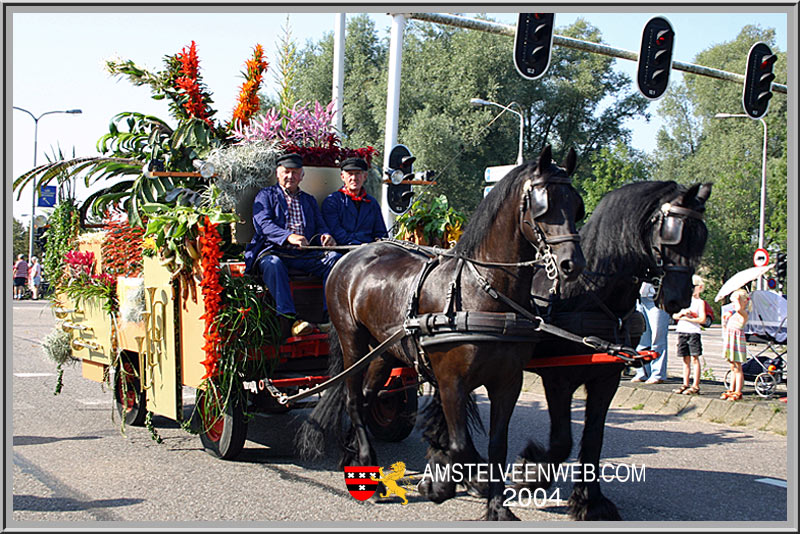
771, 283
47, 197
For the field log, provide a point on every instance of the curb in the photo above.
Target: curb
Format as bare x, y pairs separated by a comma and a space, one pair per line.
765, 415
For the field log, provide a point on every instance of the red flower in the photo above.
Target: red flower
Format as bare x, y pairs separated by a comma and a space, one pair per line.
210, 256
197, 101
249, 102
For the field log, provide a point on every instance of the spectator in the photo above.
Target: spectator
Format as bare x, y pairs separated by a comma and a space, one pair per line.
287, 219
654, 337
20, 273
690, 347
353, 216
734, 342
35, 277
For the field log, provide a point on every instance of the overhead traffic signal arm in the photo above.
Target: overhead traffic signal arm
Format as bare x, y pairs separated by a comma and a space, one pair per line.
758, 80
655, 58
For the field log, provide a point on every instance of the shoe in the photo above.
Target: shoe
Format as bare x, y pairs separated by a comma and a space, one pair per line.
636, 379
725, 394
735, 396
694, 390
302, 328
681, 389
654, 381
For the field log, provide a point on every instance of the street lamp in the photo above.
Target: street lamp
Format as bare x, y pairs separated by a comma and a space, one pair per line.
481, 102
762, 208
35, 150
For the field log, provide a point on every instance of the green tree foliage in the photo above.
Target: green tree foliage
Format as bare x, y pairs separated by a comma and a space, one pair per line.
20, 234
695, 147
612, 167
580, 103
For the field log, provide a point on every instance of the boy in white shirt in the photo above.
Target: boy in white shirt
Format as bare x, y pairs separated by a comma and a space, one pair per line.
690, 347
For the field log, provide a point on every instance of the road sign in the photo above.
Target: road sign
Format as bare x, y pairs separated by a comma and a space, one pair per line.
495, 174
772, 283
760, 257
47, 197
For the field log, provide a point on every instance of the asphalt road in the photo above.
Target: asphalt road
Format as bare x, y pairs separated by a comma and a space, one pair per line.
70, 463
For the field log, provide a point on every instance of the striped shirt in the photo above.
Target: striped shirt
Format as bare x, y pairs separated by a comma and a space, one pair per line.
294, 215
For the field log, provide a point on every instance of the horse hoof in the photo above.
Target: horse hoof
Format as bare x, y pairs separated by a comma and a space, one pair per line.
497, 512
477, 489
436, 492
598, 509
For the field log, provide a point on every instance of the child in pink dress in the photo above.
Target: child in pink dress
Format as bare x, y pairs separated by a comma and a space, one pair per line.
734, 342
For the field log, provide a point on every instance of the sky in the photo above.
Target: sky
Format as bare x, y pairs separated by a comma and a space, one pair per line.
57, 62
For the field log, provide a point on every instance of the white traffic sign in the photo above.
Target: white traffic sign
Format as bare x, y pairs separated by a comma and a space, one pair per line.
495, 174
760, 257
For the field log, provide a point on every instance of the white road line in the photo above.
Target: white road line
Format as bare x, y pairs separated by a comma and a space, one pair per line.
87, 402
772, 482
32, 375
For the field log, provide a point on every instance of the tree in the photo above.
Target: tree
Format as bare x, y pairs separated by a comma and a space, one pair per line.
696, 147
21, 234
580, 103
612, 167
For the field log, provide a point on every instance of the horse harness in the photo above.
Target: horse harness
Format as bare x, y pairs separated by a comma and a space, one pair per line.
670, 220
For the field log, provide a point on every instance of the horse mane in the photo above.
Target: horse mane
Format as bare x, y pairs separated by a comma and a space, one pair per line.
485, 214
624, 211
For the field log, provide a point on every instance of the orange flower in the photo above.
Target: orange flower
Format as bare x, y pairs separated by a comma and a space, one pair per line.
249, 102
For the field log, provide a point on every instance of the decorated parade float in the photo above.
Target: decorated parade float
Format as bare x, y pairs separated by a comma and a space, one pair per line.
155, 299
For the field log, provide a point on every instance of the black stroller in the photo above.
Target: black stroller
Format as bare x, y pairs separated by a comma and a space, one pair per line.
766, 343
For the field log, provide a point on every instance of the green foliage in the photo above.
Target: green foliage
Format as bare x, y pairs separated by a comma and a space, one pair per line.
439, 125
613, 167
286, 70
20, 235
56, 346
433, 217
61, 238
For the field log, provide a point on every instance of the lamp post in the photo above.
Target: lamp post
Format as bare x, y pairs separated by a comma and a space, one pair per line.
35, 150
762, 208
481, 102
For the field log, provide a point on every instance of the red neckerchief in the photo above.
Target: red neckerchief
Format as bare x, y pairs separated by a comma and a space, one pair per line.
361, 196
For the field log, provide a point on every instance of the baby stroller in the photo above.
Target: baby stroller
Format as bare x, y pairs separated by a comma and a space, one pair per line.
766, 342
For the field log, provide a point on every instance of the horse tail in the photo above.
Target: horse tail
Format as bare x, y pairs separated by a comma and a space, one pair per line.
434, 423
325, 420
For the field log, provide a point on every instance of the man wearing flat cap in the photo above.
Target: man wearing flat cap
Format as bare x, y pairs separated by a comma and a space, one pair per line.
353, 216
286, 219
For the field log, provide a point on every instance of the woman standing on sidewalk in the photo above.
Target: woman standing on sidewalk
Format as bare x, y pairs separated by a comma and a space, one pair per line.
20, 273
690, 348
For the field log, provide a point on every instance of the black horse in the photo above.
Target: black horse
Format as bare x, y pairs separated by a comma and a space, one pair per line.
528, 217
650, 231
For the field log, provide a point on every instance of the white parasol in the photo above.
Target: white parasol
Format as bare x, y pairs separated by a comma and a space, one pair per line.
739, 280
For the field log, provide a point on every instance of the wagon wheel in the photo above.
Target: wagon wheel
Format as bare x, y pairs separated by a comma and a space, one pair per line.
728, 380
222, 434
129, 401
392, 417
765, 385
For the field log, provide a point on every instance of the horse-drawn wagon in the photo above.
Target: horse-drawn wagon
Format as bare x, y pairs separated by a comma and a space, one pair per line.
154, 345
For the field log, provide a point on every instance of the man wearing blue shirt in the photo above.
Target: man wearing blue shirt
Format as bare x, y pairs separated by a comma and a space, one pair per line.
353, 216
287, 219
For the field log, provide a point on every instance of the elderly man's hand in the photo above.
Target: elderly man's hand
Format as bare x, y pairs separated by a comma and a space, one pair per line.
297, 240
327, 240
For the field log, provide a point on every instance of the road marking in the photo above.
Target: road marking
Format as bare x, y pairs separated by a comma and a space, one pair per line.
87, 402
772, 482
32, 375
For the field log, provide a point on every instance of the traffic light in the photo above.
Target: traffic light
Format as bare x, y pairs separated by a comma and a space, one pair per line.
758, 80
655, 58
401, 164
780, 268
533, 43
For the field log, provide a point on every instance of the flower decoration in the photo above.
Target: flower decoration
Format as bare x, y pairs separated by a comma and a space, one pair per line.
122, 248
249, 102
306, 130
210, 256
197, 101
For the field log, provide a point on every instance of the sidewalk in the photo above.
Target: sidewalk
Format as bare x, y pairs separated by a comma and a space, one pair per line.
752, 412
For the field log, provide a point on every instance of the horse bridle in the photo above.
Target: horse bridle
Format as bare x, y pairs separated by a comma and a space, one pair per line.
670, 221
538, 206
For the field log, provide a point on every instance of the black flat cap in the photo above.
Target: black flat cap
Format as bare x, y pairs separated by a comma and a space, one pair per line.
290, 161
354, 164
